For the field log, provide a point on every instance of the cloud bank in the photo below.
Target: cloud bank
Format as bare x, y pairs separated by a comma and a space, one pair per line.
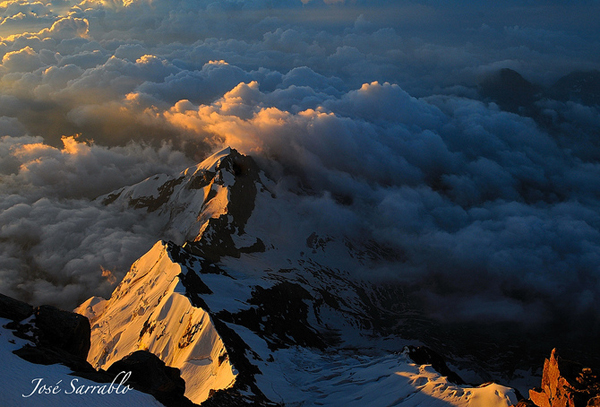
373, 106
56, 244
496, 219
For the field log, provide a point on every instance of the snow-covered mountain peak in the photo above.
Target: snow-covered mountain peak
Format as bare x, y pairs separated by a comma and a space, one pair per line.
150, 311
256, 305
191, 203
211, 163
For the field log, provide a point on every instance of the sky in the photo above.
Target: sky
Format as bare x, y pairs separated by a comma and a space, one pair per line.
375, 105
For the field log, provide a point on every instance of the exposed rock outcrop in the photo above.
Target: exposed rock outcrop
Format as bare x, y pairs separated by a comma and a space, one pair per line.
150, 375
14, 310
565, 384
56, 336
64, 330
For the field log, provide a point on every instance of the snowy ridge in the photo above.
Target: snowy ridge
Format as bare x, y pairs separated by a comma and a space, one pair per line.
185, 203
261, 302
359, 380
148, 311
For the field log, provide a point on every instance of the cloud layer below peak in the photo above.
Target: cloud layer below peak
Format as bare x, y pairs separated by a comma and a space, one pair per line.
376, 106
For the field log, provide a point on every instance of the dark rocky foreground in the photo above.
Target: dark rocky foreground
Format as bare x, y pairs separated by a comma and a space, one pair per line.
58, 336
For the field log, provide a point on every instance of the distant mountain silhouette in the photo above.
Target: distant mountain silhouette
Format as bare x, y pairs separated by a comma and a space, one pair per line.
582, 87
511, 91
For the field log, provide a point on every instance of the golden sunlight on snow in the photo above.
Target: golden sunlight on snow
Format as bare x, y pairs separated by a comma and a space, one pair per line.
148, 311
429, 382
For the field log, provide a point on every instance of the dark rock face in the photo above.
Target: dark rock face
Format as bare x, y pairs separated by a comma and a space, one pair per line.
243, 192
64, 330
59, 337
152, 204
14, 310
244, 392
56, 336
280, 316
51, 329
566, 384
150, 375
217, 241
233, 398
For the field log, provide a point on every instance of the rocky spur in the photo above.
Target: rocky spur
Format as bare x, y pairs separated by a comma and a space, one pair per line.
117, 386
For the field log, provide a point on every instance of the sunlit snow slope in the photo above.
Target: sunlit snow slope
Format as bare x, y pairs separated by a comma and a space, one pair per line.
149, 311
